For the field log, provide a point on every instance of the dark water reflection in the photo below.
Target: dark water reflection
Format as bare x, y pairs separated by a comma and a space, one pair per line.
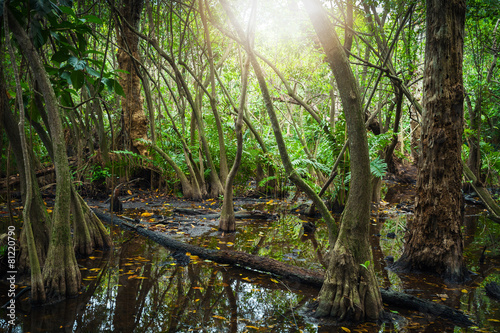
139, 286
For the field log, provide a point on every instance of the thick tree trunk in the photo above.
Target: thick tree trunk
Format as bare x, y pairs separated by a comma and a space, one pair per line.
134, 120
434, 240
350, 291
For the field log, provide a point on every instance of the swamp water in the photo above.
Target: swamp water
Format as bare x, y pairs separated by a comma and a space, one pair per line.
140, 286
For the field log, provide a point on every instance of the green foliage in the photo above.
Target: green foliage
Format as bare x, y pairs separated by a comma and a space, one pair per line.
99, 173
366, 264
378, 167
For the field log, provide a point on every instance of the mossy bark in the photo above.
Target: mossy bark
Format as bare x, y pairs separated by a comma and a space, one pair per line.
350, 291
37, 288
40, 220
61, 274
89, 233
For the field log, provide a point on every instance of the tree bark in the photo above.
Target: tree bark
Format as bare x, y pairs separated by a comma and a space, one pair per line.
61, 273
350, 291
37, 288
227, 219
134, 120
434, 241
39, 217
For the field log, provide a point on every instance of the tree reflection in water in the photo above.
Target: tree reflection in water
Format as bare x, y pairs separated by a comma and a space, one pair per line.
139, 286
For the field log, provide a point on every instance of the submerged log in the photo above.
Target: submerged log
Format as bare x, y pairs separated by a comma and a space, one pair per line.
286, 271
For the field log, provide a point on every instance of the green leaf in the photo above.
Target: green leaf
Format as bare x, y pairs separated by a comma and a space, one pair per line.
378, 167
61, 56
67, 10
93, 72
78, 79
66, 76
93, 19
77, 64
118, 89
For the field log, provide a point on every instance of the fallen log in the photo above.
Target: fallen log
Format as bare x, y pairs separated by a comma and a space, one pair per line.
490, 204
493, 290
15, 179
286, 271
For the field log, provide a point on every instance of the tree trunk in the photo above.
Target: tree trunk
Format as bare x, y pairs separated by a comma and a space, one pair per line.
39, 218
434, 241
61, 273
134, 120
37, 288
285, 158
350, 290
227, 219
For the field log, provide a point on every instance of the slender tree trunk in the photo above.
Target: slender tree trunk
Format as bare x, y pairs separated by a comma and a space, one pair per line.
61, 273
37, 288
434, 241
350, 290
223, 168
285, 158
227, 220
39, 218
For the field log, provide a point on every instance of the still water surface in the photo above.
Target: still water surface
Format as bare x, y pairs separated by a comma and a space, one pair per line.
139, 286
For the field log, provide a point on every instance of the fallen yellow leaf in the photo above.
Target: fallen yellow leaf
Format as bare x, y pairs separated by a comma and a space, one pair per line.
219, 317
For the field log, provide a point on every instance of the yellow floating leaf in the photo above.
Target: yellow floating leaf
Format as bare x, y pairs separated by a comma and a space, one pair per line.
275, 281
49, 211
180, 232
146, 214
219, 317
129, 192
345, 329
141, 277
229, 244
95, 269
464, 291
132, 276
254, 327
247, 279
92, 258
495, 320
